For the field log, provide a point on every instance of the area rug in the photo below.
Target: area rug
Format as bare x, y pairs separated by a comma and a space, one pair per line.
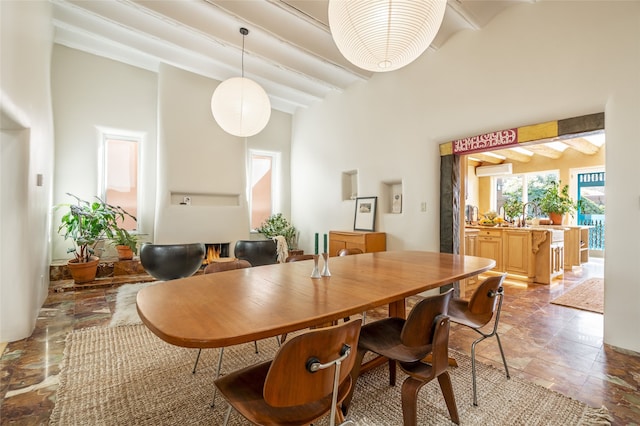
126, 312
127, 376
588, 296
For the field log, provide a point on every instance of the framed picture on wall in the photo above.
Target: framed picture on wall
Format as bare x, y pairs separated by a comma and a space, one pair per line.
365, 219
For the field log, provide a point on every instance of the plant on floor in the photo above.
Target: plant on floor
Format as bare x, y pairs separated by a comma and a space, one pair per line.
86, 223
276, 225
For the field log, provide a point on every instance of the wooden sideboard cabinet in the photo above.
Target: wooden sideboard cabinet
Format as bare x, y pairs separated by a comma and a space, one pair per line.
366, 241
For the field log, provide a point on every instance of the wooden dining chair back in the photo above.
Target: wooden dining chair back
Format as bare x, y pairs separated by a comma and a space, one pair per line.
408, 342
308, 378
349, 251
297, 257
484, 305
226, 265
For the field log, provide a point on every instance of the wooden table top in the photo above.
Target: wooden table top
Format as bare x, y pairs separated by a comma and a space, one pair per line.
242, 305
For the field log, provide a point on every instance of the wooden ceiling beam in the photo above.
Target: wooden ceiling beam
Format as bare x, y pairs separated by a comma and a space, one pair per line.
582, 145
545, 151
513, 155
486, 158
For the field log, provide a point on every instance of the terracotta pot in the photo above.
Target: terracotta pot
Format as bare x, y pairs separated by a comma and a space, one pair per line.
556, 218
124, 252
83, 272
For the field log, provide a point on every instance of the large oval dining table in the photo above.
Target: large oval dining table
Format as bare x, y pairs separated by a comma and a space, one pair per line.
244, 305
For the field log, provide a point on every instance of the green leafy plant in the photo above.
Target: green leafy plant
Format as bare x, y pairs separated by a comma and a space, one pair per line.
86, 223
122, 237
513, 207
556, 199
276, 225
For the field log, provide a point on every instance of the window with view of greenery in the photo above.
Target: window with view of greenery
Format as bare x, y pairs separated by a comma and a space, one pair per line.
521, 187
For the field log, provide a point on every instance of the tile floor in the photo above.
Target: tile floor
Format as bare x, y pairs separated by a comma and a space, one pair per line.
557, 347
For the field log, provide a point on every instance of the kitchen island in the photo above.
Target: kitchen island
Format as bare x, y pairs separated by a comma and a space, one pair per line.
533, 254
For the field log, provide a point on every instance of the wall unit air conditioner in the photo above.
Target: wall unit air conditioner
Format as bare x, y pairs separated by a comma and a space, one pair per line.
497, 170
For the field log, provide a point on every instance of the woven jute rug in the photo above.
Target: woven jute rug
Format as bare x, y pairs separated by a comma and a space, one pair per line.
127, 376
588, 296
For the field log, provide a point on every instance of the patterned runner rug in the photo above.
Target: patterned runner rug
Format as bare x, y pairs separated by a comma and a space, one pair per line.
588, 296
127, 376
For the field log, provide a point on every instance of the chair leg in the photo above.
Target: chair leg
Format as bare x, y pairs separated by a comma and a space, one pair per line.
504, 360
473, 370
196, 364
255, 343
410, 389
226, 416
392, 372
215, 388
355, 373
447, 391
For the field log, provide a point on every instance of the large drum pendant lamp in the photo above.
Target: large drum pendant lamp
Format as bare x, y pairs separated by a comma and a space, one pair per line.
240, 105
384, 35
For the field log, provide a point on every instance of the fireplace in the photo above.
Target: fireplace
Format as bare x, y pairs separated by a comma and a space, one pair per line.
213, 251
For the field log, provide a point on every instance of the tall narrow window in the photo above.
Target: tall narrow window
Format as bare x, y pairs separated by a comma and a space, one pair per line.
121, 175
263, 193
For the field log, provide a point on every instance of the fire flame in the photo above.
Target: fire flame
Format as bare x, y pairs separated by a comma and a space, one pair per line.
213, 252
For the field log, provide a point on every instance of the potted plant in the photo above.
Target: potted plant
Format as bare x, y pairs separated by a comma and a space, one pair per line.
125, 242
86, 224
276, 225
556, 202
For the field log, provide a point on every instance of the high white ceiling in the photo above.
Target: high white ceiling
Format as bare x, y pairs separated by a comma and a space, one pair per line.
289, 50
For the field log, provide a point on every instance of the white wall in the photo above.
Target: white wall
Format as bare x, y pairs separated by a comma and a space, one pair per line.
26, 150
531, 64
197, 158
90, 92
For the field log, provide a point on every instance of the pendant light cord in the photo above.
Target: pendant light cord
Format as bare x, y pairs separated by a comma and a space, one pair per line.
244, 32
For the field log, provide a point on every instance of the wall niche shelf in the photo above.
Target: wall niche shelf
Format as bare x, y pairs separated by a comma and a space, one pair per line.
391, 196
187, 199
349, 185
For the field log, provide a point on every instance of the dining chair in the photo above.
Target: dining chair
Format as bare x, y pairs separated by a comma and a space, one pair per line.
220, 267
298, 257
349, 251
408, 342
477, 312
308, 378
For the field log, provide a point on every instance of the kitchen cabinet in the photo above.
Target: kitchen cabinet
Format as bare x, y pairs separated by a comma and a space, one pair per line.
366, 241
533, 254
471, 249
576, 246
550, 257
490, 246
518, 256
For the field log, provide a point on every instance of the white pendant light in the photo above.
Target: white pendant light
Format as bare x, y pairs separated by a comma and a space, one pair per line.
240, 105
384, 35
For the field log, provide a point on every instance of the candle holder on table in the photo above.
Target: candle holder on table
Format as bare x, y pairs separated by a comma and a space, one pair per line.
316, 272
325, 269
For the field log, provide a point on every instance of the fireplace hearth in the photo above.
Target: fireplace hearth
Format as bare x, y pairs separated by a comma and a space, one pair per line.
213, 251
